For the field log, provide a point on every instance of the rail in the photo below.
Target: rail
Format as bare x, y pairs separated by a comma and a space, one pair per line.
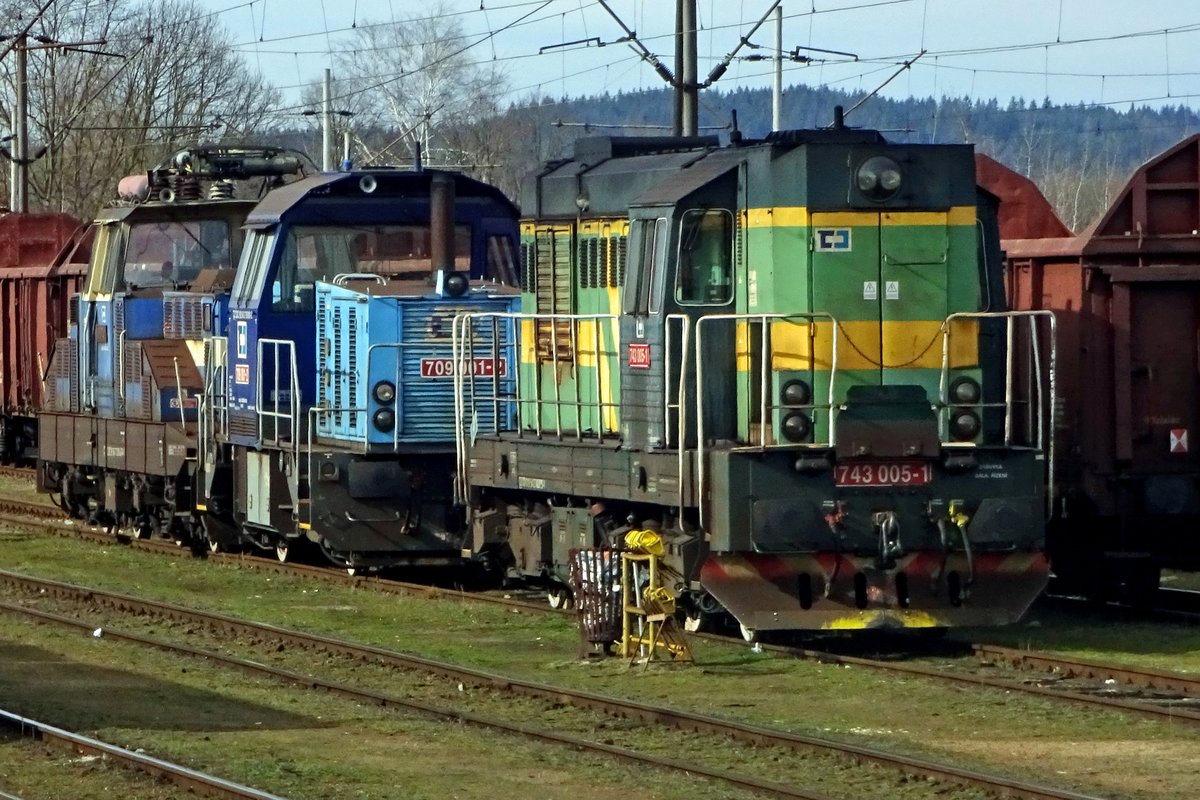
193, 781
1040, 396
766, 404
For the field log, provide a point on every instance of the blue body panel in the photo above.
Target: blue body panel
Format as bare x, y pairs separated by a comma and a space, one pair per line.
404, 340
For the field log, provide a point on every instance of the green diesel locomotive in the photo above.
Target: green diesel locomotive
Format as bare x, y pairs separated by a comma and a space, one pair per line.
792, 358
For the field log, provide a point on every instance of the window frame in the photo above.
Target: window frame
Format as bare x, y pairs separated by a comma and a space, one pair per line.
732, 252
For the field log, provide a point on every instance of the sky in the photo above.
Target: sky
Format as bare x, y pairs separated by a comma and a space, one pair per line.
1071, 51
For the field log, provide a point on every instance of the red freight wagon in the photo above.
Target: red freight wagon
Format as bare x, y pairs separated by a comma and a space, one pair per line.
1126, 293
43, 260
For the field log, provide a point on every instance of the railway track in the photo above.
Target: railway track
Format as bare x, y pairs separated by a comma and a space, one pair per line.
643, 713
29, 473
1157, 694
198, 783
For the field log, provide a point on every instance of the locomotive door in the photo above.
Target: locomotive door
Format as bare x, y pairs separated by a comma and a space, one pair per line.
885, 277
847, 283
914, 249
642, 329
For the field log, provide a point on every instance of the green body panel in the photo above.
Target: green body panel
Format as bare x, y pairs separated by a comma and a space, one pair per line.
571, 396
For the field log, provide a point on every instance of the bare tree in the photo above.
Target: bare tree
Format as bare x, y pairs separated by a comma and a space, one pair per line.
173, 81
415, 81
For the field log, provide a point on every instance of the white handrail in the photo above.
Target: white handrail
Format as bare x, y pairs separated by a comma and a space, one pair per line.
764, 380
1045, 433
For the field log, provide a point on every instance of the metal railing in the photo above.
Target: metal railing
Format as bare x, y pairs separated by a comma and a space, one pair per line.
466, 395
281, 417
1040, 390
766, 404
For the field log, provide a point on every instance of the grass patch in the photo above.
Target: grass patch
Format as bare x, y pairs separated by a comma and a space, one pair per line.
1020, 735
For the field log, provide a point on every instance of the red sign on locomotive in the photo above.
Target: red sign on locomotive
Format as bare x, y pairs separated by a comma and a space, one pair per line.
639, 355
444, 367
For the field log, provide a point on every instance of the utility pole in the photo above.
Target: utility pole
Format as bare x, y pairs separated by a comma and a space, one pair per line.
777, 89
686, 86
20, 157
685, 78
19, 191
326, 122
677, 118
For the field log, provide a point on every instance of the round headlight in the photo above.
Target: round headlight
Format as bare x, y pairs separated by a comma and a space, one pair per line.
879, 177
385, 392
796, 427
964, 425
385, 419
964, 390
867, 179
796, 393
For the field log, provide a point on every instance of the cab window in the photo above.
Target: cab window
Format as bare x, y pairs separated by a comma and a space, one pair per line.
172, 254
105, 261
649, 241
256, 255
705, 274
314, 253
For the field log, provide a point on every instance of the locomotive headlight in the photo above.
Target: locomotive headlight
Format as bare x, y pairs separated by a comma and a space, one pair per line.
796, 427
964, 424
384, 419
964, 390
879, 177
385, 392
796, 393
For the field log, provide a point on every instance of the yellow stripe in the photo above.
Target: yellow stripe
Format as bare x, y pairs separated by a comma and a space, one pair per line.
959, 215
906, 345
798, 216
778, 216
201, 507
305, 526
528, 342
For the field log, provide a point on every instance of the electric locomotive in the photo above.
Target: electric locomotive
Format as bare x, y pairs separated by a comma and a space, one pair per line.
118, 427
332, 403
793, 359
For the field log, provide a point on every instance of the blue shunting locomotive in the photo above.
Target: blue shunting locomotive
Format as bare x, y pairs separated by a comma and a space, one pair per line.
331, 404
119, 423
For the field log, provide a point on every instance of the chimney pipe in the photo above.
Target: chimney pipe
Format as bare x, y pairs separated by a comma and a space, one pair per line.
441, 226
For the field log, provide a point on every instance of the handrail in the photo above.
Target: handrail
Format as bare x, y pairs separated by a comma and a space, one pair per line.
292, 414
764, 421
342, 278
680, 405
463, 343
1045, 433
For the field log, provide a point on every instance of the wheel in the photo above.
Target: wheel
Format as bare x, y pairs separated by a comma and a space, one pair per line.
282, 552
749, 634
560, 597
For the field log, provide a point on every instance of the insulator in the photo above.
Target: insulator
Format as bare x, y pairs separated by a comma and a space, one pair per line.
186, 188
220, 190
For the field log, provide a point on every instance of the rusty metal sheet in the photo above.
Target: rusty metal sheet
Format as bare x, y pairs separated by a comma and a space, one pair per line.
1024, 211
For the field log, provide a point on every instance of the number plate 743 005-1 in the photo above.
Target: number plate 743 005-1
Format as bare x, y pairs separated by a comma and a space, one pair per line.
890, 473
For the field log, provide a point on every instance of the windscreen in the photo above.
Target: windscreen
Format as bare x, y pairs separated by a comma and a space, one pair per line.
172, 254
